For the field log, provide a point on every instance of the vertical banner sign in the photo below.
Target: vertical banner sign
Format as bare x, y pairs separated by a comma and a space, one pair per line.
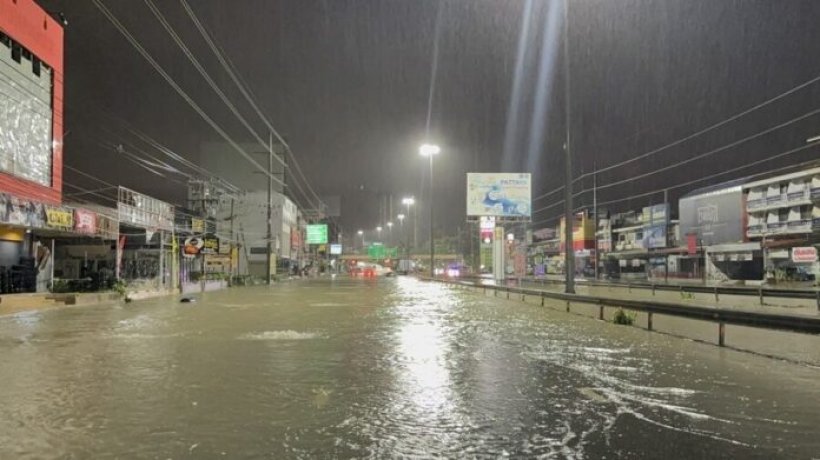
120, 248
498, 255
692, 244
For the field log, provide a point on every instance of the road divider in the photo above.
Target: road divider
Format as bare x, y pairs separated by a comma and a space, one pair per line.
714, 314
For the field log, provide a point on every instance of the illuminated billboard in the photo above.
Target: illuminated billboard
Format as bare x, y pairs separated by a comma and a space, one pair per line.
317, 234
499, 194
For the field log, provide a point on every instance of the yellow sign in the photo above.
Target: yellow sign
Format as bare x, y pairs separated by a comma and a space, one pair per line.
234, 258
59, 218
197, 225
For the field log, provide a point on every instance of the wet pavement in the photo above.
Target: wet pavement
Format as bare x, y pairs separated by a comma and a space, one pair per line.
383, 368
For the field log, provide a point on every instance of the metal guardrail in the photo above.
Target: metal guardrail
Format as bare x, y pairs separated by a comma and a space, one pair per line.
759, 292
721, 316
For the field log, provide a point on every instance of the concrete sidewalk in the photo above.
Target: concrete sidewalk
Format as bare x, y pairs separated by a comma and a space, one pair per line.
16, 303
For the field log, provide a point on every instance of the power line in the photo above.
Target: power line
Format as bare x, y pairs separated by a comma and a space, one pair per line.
247, 93
705, 178
693, 158
147, 56
707, 129
204, 73
692, 135
709, 153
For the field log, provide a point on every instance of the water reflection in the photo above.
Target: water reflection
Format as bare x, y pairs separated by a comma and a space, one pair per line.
380, 369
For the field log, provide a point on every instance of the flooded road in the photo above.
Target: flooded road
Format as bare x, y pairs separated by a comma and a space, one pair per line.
383, 368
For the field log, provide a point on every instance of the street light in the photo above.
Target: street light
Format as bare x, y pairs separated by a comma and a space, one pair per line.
379, 231
409, 201
431, 150
361, 233
389, 232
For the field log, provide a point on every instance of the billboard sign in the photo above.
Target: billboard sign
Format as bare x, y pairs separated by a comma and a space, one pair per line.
656, 214
317, 234
499, 194
654, 236
85, 221
335, 249
714, 217
802, 255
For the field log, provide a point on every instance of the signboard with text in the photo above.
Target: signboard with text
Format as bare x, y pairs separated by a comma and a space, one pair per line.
60, 218
317, 234
804, 255
506, 195
85, 221
714, 217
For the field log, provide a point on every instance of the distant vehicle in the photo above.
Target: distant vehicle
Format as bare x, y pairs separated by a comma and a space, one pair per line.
404, 267
370, 270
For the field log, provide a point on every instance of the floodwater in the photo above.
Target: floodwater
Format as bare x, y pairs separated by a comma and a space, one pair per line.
383, 368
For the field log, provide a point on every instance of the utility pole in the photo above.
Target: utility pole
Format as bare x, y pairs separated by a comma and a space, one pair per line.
234, 246
432, 233
270, 209
569, 246
595, 215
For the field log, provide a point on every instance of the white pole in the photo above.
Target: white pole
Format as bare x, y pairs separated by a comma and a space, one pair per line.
52, 263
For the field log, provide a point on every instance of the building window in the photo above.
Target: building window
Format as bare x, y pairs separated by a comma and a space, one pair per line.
26, 117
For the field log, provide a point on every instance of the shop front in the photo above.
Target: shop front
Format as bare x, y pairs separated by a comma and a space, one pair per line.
25, 259
145, 246
84, 254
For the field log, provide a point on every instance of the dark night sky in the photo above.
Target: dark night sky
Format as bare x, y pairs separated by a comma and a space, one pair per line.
347, 82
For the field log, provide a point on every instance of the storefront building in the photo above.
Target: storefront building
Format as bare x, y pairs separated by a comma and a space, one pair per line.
145, 246
31, 134
783, 223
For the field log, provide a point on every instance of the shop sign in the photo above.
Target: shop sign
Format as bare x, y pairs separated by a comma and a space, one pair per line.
107, 227
197, 225
85, 221
656, 214
692, 244
224, 247
59, 218
210, 245
17, 211
654, 236
803, 255
192, 246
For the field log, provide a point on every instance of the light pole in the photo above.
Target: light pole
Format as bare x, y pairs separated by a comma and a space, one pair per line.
429, 151
361, 233
401, 232
379, 232
409, 201
569, 217
390, 232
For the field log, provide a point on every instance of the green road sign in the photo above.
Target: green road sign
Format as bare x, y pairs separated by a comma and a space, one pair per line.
377, 251
317, 234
